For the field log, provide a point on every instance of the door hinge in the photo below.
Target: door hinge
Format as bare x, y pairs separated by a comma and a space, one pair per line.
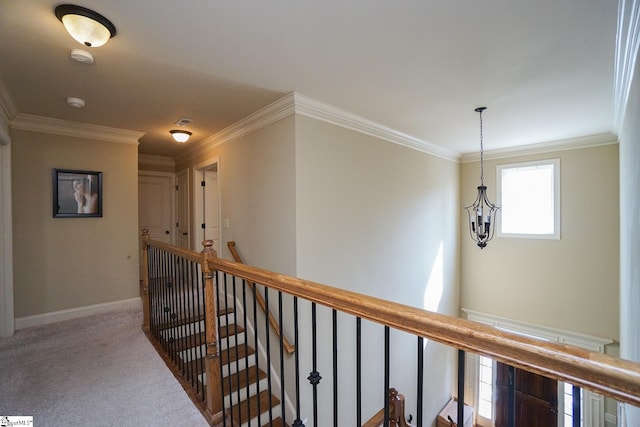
176, 188
203, 226
202, 183
177, 224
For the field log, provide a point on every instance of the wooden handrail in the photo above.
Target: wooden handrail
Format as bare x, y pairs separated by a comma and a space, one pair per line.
613, 377
290, 349
604, 374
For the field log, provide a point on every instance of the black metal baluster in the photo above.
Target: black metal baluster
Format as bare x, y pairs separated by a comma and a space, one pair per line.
184, 325
201, 323
229, 375
461, 367
255, 340
193, 339
511, 396
172, 306
298, 421
419, 394
335, 367
359, 371
385, 400
314, 377
237, 350
282, 381
268, 339
576, 409
245, 345
166, 309
224, 410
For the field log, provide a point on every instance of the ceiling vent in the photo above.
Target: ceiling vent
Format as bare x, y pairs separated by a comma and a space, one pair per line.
183, 121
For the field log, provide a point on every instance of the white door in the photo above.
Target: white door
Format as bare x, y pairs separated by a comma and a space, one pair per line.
155, 205
207, 206
182, 209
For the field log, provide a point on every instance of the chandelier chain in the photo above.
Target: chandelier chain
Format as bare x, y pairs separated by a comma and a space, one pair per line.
481, 151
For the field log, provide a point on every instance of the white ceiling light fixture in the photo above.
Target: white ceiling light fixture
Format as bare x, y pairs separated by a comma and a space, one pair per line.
81, 56
84, 25
75, 102
180, 135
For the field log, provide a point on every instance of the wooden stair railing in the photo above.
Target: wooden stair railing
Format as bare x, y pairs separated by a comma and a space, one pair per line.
600, 373
396, 412
272, 320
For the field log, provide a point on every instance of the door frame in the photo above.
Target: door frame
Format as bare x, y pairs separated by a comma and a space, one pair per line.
197, 213
593, 410
173, 196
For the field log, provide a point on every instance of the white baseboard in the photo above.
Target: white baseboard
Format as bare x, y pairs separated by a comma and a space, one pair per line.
74, 313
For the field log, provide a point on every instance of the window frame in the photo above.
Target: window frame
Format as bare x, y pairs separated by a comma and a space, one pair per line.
555, 163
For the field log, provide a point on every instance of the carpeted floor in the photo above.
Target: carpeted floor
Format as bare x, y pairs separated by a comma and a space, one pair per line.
94, 371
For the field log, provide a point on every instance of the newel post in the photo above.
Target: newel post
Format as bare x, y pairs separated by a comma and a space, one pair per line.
212, 365
145, 280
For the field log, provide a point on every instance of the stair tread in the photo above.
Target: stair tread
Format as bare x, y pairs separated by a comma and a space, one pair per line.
230, 330
240, 380
248, 409
180, 322
189, 341
276, 423
229, 355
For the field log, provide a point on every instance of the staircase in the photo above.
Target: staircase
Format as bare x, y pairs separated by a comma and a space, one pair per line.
246, 396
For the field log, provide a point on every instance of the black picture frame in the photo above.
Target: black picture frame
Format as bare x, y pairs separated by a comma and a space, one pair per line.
76, 193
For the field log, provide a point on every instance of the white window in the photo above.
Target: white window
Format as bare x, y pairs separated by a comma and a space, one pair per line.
529, 194
485, 388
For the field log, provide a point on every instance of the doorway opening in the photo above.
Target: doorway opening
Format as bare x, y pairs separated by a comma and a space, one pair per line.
206, 205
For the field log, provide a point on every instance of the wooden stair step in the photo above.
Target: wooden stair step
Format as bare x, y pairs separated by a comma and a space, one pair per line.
240, 380
189, 342
229, 330
180, 322
276, 423
248, 409
235, 353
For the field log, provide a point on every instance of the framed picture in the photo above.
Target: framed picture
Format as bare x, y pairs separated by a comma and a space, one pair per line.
76, 194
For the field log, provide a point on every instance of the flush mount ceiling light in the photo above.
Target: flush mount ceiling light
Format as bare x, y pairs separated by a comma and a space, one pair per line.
180, 135
482, 213
84, 25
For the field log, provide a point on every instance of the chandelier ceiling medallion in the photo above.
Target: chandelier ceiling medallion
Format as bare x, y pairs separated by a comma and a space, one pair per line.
482, 213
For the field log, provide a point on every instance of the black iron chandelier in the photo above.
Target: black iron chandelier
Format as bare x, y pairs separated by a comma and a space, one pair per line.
482, 213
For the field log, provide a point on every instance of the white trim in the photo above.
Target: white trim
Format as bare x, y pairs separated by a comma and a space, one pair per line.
543, 147
74, 313
556, 199
154, 160
7, 325
593, 403
296, 103
587, 342
307, 106
627, 45
33, 123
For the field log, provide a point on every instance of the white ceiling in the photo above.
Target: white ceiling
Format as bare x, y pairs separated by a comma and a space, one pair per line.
544, 68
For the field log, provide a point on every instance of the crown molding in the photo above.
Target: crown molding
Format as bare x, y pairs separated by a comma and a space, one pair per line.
296, 103
33, 123
313, 108
155, 160
627, 46
543, 147
277, 110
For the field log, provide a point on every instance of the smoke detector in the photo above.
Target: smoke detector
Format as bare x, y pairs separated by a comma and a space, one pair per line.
75, 102
81, 56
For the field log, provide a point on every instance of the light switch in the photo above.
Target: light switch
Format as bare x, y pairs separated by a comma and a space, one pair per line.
226, 223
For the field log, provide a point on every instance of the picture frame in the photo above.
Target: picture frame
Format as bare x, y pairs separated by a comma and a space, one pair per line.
76, 193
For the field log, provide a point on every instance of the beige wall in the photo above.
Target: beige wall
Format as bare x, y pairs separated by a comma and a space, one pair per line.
257, 179
570, 284
64, 263
380, 219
